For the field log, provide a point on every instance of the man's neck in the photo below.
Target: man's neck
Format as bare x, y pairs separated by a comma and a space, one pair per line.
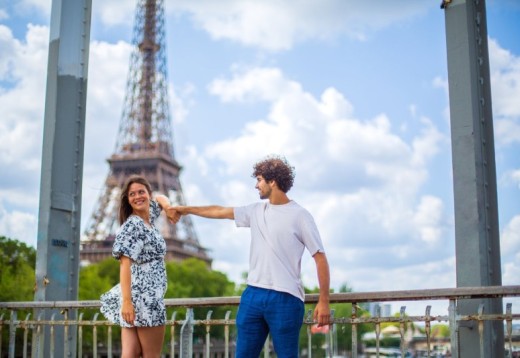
278, 198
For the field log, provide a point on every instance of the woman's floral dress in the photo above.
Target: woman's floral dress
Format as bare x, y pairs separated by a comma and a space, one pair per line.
146, 247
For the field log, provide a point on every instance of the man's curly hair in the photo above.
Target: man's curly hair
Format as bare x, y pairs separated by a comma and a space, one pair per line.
275, 168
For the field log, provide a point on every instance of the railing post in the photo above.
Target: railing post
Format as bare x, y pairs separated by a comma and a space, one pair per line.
454, 329
37, 347
354, 330
309, 334
52, 329
25, 335
172, 335
427, 329
226, 335
378, 328
187, 335
330, 336
481, 328
94, 335
12, 333
208, 326
109, 342
401, 329
66, 346
509, 324
80, 336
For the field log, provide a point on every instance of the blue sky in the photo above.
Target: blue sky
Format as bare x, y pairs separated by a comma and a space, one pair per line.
353, 93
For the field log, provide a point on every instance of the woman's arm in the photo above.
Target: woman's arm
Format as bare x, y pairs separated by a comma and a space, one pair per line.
125, 279
163, 201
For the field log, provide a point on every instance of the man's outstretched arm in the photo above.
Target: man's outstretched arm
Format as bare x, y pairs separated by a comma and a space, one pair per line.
211, 211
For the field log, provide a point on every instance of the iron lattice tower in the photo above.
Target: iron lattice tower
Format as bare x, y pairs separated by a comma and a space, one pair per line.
144, 145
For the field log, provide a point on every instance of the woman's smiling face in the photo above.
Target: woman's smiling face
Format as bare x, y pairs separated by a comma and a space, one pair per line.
138, 197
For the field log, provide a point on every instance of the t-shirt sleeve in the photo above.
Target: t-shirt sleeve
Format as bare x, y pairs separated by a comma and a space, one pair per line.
129, 240
243, 215
310, 234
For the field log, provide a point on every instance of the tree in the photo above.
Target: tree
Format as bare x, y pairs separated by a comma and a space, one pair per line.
17, 262
193, 278
17, 277
97, 279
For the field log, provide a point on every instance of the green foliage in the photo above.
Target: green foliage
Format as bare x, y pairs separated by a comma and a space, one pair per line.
193, 278
384, 342
440, 330
96, 279
17, 263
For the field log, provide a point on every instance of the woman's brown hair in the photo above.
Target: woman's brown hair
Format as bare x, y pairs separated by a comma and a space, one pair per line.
125, 209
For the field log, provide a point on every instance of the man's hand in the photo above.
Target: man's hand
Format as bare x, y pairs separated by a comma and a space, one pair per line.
173, 214
322, 314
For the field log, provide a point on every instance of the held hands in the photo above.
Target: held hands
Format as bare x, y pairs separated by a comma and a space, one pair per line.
173, 214
322, 314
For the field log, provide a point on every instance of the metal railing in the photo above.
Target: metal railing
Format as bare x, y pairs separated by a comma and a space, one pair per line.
180, 334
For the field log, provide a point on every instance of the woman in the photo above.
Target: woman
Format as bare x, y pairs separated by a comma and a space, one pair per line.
136, 303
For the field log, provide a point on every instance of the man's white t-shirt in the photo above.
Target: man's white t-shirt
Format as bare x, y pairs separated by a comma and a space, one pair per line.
279, 234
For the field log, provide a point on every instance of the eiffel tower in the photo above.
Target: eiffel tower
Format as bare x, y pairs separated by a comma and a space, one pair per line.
144, 146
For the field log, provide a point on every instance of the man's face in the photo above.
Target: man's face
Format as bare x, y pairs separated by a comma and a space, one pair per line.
264, 189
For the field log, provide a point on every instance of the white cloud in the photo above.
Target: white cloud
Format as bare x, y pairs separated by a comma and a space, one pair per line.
510, 239
278, 25
22, 98
19, 225
23, 67
505, 82
348, 171
28, 6
3, 14
114, 12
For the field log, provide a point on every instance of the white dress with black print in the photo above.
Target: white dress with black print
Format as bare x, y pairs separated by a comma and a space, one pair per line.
146, 247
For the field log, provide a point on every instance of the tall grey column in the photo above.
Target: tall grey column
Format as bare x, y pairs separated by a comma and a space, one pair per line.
57, 260
474, 174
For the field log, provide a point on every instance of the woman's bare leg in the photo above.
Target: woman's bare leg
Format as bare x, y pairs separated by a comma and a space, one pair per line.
130, 345
151, 339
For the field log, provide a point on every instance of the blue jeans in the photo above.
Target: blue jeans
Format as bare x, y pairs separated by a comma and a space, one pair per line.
262, 311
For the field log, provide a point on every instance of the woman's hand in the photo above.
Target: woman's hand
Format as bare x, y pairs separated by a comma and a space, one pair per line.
128, 312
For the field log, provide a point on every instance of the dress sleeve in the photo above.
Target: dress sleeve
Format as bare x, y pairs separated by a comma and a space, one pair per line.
129, 240
155, 210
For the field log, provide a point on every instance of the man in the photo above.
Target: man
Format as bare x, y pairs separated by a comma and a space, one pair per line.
273, 301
